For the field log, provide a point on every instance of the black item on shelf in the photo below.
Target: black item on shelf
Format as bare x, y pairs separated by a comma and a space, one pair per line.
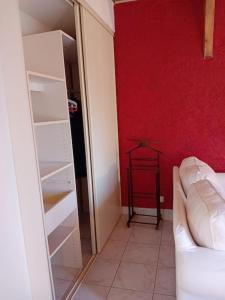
77, 132
149, 162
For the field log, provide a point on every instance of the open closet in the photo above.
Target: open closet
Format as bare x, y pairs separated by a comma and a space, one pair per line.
51, 87
55, 100
63, 126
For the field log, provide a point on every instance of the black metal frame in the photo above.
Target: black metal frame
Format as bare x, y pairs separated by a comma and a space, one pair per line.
150, 164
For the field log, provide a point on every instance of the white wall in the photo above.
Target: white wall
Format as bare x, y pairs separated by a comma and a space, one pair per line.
104, 8
14, 272
21, 211
30, 25
14, 275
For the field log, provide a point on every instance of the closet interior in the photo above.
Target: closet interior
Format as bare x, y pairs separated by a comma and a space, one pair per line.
50, 53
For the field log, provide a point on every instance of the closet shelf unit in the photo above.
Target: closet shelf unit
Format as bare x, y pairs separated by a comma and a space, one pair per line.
45, 57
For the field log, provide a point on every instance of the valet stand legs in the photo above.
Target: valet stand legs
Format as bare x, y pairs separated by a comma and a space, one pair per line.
131, 212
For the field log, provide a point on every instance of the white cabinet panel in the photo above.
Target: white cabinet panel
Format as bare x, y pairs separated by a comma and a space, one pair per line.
104, 9
44, 53
52, 134
101, 101
23, 276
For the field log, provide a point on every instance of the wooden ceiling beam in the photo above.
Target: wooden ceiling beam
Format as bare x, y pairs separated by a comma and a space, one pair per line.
209, 28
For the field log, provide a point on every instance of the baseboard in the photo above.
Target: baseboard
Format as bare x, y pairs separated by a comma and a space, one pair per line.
167, 214
122, 1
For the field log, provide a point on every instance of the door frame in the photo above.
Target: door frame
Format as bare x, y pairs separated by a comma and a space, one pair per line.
88, 98
86, 126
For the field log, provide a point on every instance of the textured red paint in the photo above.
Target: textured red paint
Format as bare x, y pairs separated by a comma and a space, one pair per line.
166, 90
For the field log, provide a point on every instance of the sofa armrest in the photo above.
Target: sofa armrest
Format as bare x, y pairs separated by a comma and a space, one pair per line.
200, 274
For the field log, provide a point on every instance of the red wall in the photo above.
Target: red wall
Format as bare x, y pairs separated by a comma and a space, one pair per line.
166, 90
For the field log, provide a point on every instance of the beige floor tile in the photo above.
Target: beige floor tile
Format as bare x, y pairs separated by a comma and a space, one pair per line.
123, 221
139, 247
165, 281
163, 297
113, 250
144, 219
167, 225
141, 253
91, 292
145, 235
167, 256
167, 238
121, 294
121, 233
102, 272
138, 277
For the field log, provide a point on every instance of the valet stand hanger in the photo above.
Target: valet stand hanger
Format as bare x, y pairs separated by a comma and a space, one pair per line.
147, 164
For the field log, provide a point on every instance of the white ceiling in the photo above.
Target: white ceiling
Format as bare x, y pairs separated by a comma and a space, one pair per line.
56, 14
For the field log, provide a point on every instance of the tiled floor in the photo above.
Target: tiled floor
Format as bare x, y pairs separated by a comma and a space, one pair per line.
137, 263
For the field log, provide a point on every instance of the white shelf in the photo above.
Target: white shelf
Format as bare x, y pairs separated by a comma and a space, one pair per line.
48, 97
48, 169
37, 81
69, 48
58, 209
47, 123
51, 199
42, 78
67, 39
58, 238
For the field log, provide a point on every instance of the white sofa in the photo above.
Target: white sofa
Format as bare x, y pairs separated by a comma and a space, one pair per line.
200, 272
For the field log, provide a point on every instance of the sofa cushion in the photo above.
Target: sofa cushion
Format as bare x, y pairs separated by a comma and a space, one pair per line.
206, 215
193, 169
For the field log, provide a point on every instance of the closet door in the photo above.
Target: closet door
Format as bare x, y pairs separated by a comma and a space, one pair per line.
98, 58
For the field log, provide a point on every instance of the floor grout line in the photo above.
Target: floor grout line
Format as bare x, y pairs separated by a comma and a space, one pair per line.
157, 265
118, 266
126, 242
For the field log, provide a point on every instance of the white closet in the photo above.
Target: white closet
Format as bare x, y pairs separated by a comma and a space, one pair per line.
99, 67
48, 101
